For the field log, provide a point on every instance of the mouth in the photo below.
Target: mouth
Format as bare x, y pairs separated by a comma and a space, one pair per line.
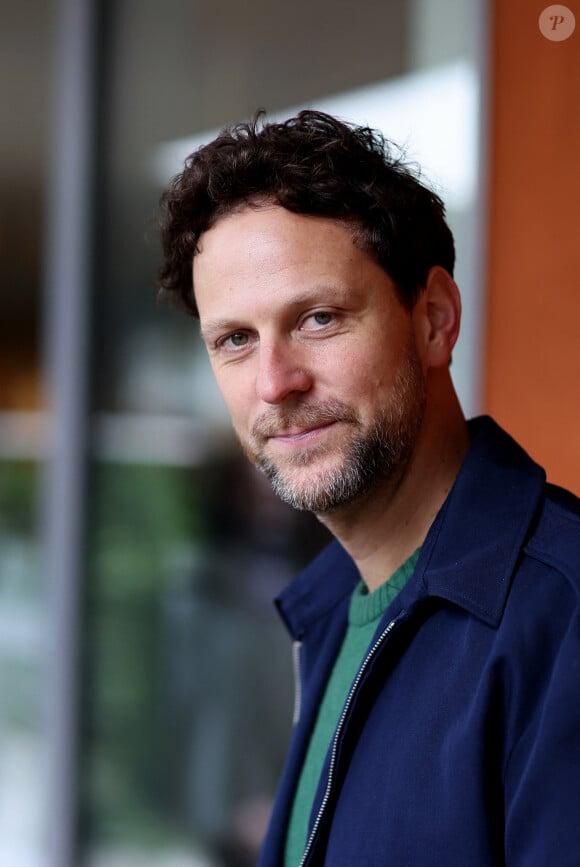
301, 436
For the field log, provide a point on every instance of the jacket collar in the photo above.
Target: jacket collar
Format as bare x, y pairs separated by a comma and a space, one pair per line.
471, 549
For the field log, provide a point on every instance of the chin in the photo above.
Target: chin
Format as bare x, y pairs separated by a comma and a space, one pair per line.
319, 491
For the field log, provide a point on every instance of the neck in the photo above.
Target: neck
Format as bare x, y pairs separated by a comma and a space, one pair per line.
383, 528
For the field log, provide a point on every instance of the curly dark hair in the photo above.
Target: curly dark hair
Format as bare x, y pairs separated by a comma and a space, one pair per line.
311, 164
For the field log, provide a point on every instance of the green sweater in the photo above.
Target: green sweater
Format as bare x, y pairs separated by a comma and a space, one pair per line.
365, 612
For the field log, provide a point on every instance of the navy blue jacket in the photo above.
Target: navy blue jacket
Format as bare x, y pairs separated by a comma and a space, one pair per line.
460, 742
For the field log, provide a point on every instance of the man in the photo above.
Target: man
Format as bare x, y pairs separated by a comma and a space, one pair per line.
439, 703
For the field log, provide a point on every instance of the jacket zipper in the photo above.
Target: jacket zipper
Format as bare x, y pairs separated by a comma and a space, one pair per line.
297, 681
329, 783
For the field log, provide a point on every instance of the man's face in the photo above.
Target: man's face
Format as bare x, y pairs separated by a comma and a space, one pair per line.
313, 352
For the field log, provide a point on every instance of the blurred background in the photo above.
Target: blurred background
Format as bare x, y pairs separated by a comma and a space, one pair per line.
145, 683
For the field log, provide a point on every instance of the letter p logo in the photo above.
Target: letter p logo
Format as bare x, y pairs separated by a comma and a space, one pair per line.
557, 23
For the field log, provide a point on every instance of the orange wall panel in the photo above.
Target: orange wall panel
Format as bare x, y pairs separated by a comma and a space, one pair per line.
532, 366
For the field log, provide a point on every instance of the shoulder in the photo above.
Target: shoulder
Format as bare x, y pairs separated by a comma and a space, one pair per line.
540, 627
555, 538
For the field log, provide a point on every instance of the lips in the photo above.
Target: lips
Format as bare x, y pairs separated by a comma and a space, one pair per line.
304, 423
295, 433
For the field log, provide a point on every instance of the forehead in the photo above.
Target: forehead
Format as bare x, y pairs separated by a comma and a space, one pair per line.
272, 250
252, 236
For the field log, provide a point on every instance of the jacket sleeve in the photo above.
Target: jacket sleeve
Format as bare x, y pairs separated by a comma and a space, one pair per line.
542, 779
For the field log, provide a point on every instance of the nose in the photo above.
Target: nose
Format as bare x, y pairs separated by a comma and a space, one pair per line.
281, 372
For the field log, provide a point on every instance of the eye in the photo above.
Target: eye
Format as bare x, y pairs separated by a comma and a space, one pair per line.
236, 340
317, 320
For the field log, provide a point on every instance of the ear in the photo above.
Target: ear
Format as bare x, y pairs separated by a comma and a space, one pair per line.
437, 316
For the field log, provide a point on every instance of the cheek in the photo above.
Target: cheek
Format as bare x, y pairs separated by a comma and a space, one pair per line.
364, 375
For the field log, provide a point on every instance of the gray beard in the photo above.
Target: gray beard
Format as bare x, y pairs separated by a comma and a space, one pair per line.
372, 457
